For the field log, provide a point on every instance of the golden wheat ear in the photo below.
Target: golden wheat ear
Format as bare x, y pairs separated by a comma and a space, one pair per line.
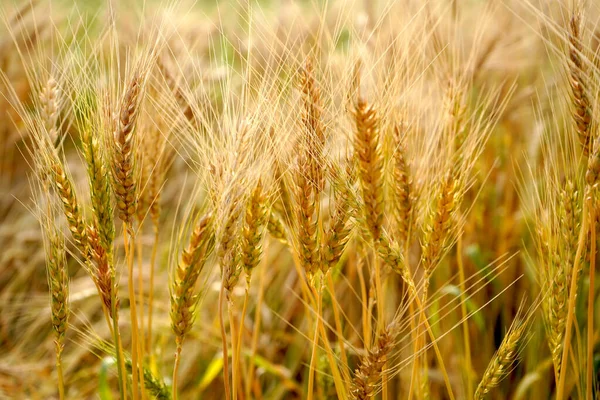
508, 353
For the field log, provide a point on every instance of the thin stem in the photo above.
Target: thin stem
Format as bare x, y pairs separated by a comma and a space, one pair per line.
380, 322
337, 378
238, 348
224, 342
234, 359
438, 354
118, 344
338, 328
179, 341
465, 324
129, 249
590, 310
571, 305
256, 330
151, 290
59, 371
364, 303
313, 357
417, 343
411, 316
142, 340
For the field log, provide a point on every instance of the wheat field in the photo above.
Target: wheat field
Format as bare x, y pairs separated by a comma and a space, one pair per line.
286, 199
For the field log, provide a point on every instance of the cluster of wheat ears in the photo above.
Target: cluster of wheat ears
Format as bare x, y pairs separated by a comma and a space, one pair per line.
269, 200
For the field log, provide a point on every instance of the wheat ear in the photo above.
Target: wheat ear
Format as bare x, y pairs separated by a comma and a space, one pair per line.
502, 362
58, 282
371, 366
183, 298
582, 111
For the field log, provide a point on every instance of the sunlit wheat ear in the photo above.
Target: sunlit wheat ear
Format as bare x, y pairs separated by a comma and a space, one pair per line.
402, 187
104, 273
228, 243
100, 192
592, 173
314, 130
369, 158
338, 232
508, 353
63, 184
49, 109
578, 81
124, 181
58, 282
276, 227
191, 264
73, 212
308, 178
368, 374
255, 218
438, 229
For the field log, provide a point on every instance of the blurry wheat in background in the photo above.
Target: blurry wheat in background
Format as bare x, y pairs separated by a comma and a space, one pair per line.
299, 199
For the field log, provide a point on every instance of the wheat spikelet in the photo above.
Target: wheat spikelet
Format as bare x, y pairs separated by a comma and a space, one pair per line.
314, 136
228, 250
437, 231
53, 167
124, 184
276, 227
582, 111
502, 362
99, 190
371, 366
370, 166
71, 207
104, 272
338, 232
193, 258
253, 231
402, 187
306, 215
49, 108
58, 282
593, 167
